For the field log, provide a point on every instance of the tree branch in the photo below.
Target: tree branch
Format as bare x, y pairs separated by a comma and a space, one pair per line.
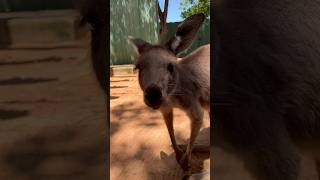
163, 18
165, 11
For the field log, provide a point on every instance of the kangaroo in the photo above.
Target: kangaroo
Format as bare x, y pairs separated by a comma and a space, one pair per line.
266, 84
94, 12
168, 82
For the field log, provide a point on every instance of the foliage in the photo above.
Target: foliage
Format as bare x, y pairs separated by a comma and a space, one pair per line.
190, 7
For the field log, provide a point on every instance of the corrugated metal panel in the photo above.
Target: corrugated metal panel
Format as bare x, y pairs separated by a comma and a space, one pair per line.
137, 18
203, 36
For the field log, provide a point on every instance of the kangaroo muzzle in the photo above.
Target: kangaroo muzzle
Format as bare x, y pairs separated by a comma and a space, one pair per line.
153, 96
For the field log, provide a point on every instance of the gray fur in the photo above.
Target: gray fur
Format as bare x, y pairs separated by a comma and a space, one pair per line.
188, 87
267, 70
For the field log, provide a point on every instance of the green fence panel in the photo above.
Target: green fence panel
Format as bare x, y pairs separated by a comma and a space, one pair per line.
4, 6
137, 18
203, 36
34, 5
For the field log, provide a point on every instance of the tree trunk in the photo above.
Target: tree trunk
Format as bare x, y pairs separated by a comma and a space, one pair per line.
163, 18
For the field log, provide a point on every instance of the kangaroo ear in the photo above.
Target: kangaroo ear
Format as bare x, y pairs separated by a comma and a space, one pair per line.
185, 34
139, 44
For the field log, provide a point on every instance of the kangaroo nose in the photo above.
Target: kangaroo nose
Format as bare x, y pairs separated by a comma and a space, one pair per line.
153, 94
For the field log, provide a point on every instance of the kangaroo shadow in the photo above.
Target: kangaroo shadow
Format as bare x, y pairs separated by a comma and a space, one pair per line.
199, 155
144, 157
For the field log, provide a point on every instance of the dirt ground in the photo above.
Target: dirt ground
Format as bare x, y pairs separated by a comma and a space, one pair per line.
52, 116
53, 125
140, 144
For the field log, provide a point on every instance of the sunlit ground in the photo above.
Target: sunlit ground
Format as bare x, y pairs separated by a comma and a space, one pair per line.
140, 143
141, 148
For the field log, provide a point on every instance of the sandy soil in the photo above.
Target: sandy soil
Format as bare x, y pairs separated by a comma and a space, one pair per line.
52, 125
140, 144
52, 116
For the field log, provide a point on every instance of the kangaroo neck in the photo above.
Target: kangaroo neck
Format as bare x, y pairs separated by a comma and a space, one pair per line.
185, 83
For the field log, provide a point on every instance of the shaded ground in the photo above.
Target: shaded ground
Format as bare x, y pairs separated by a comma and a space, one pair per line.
52, 116
140, 144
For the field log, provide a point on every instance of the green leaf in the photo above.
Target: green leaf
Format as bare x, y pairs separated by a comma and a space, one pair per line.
190, 7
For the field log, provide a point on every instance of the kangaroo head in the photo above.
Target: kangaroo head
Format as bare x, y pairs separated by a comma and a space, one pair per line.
158, 65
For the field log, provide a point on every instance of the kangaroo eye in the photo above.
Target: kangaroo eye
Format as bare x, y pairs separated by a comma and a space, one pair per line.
170, 68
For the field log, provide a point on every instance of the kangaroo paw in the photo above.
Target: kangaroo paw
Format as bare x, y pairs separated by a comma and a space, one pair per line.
179, 154
184, 162
197, 148
201, 148
183, 147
